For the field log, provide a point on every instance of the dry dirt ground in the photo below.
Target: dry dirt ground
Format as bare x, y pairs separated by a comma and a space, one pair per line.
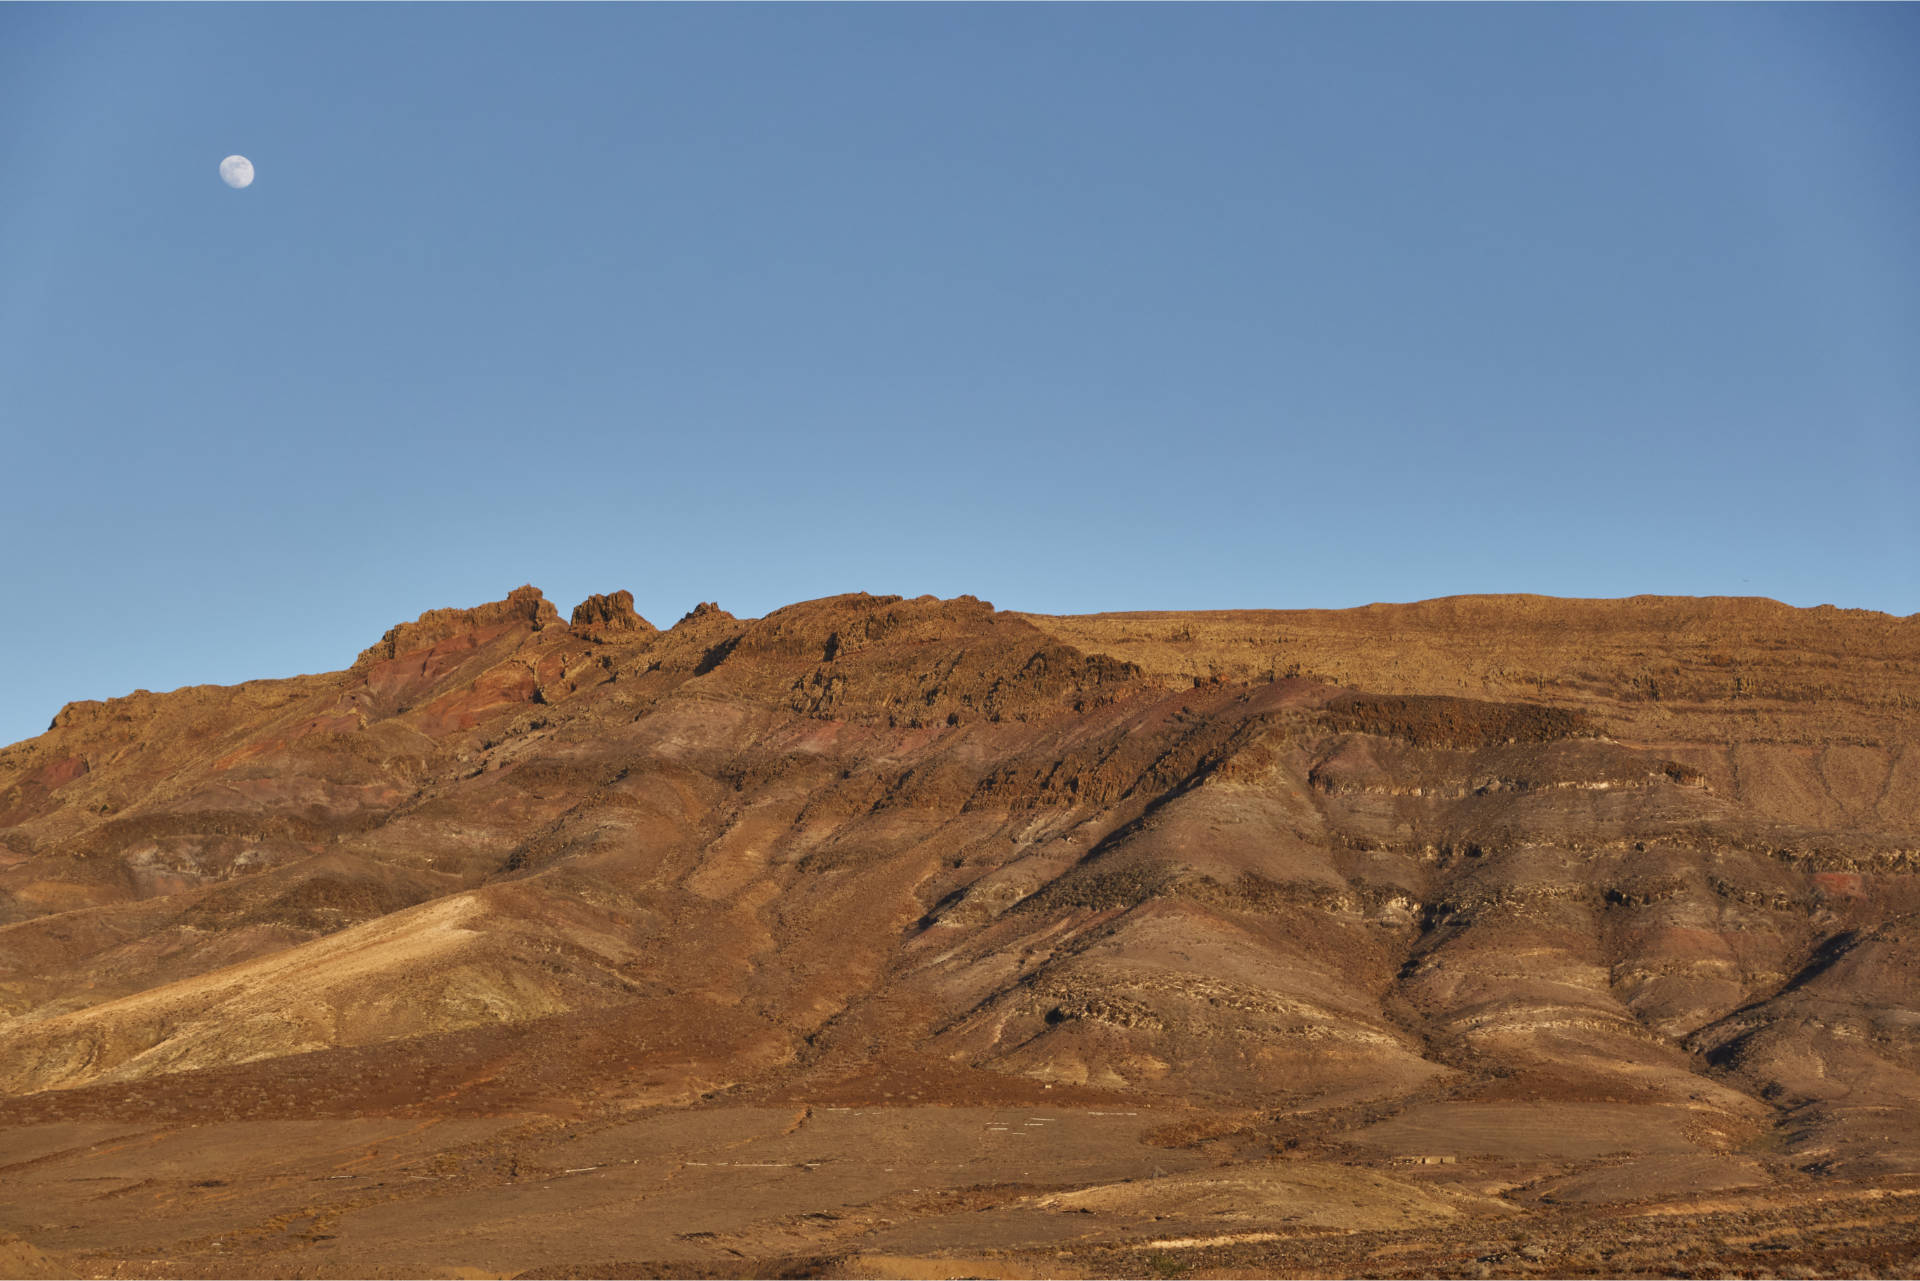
846, 1190
880, 937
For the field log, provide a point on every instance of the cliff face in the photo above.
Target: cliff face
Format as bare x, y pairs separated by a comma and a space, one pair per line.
1276, 865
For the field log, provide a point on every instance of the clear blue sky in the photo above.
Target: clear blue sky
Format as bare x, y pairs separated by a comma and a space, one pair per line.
1073, 307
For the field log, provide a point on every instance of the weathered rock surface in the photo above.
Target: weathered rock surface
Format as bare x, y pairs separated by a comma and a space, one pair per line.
1366, 884
610, 616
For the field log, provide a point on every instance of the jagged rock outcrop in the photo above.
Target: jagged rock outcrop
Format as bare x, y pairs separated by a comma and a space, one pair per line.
523, 607
609, 617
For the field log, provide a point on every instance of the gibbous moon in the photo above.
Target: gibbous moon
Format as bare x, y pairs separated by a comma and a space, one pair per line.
236, 171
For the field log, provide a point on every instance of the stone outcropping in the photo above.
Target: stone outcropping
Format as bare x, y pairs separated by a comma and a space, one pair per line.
523, 607
610, 617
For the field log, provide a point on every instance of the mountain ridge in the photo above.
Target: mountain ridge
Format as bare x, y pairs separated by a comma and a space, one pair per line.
1314, 881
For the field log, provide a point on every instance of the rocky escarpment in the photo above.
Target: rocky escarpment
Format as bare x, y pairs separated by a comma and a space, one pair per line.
1278, 866
523, 607
611, 616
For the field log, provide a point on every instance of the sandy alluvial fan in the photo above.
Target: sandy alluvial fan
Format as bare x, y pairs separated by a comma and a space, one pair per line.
1493, 935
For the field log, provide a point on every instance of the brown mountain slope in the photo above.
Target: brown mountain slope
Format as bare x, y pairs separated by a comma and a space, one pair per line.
1531, 890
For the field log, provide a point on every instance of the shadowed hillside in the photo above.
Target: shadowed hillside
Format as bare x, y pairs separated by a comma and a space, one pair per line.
1458, 929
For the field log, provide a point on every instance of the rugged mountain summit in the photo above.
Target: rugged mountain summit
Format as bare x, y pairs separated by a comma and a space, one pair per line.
1540, 893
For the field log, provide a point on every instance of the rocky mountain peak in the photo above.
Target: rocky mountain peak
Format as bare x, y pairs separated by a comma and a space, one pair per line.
602, 617
705, 611
524, 606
